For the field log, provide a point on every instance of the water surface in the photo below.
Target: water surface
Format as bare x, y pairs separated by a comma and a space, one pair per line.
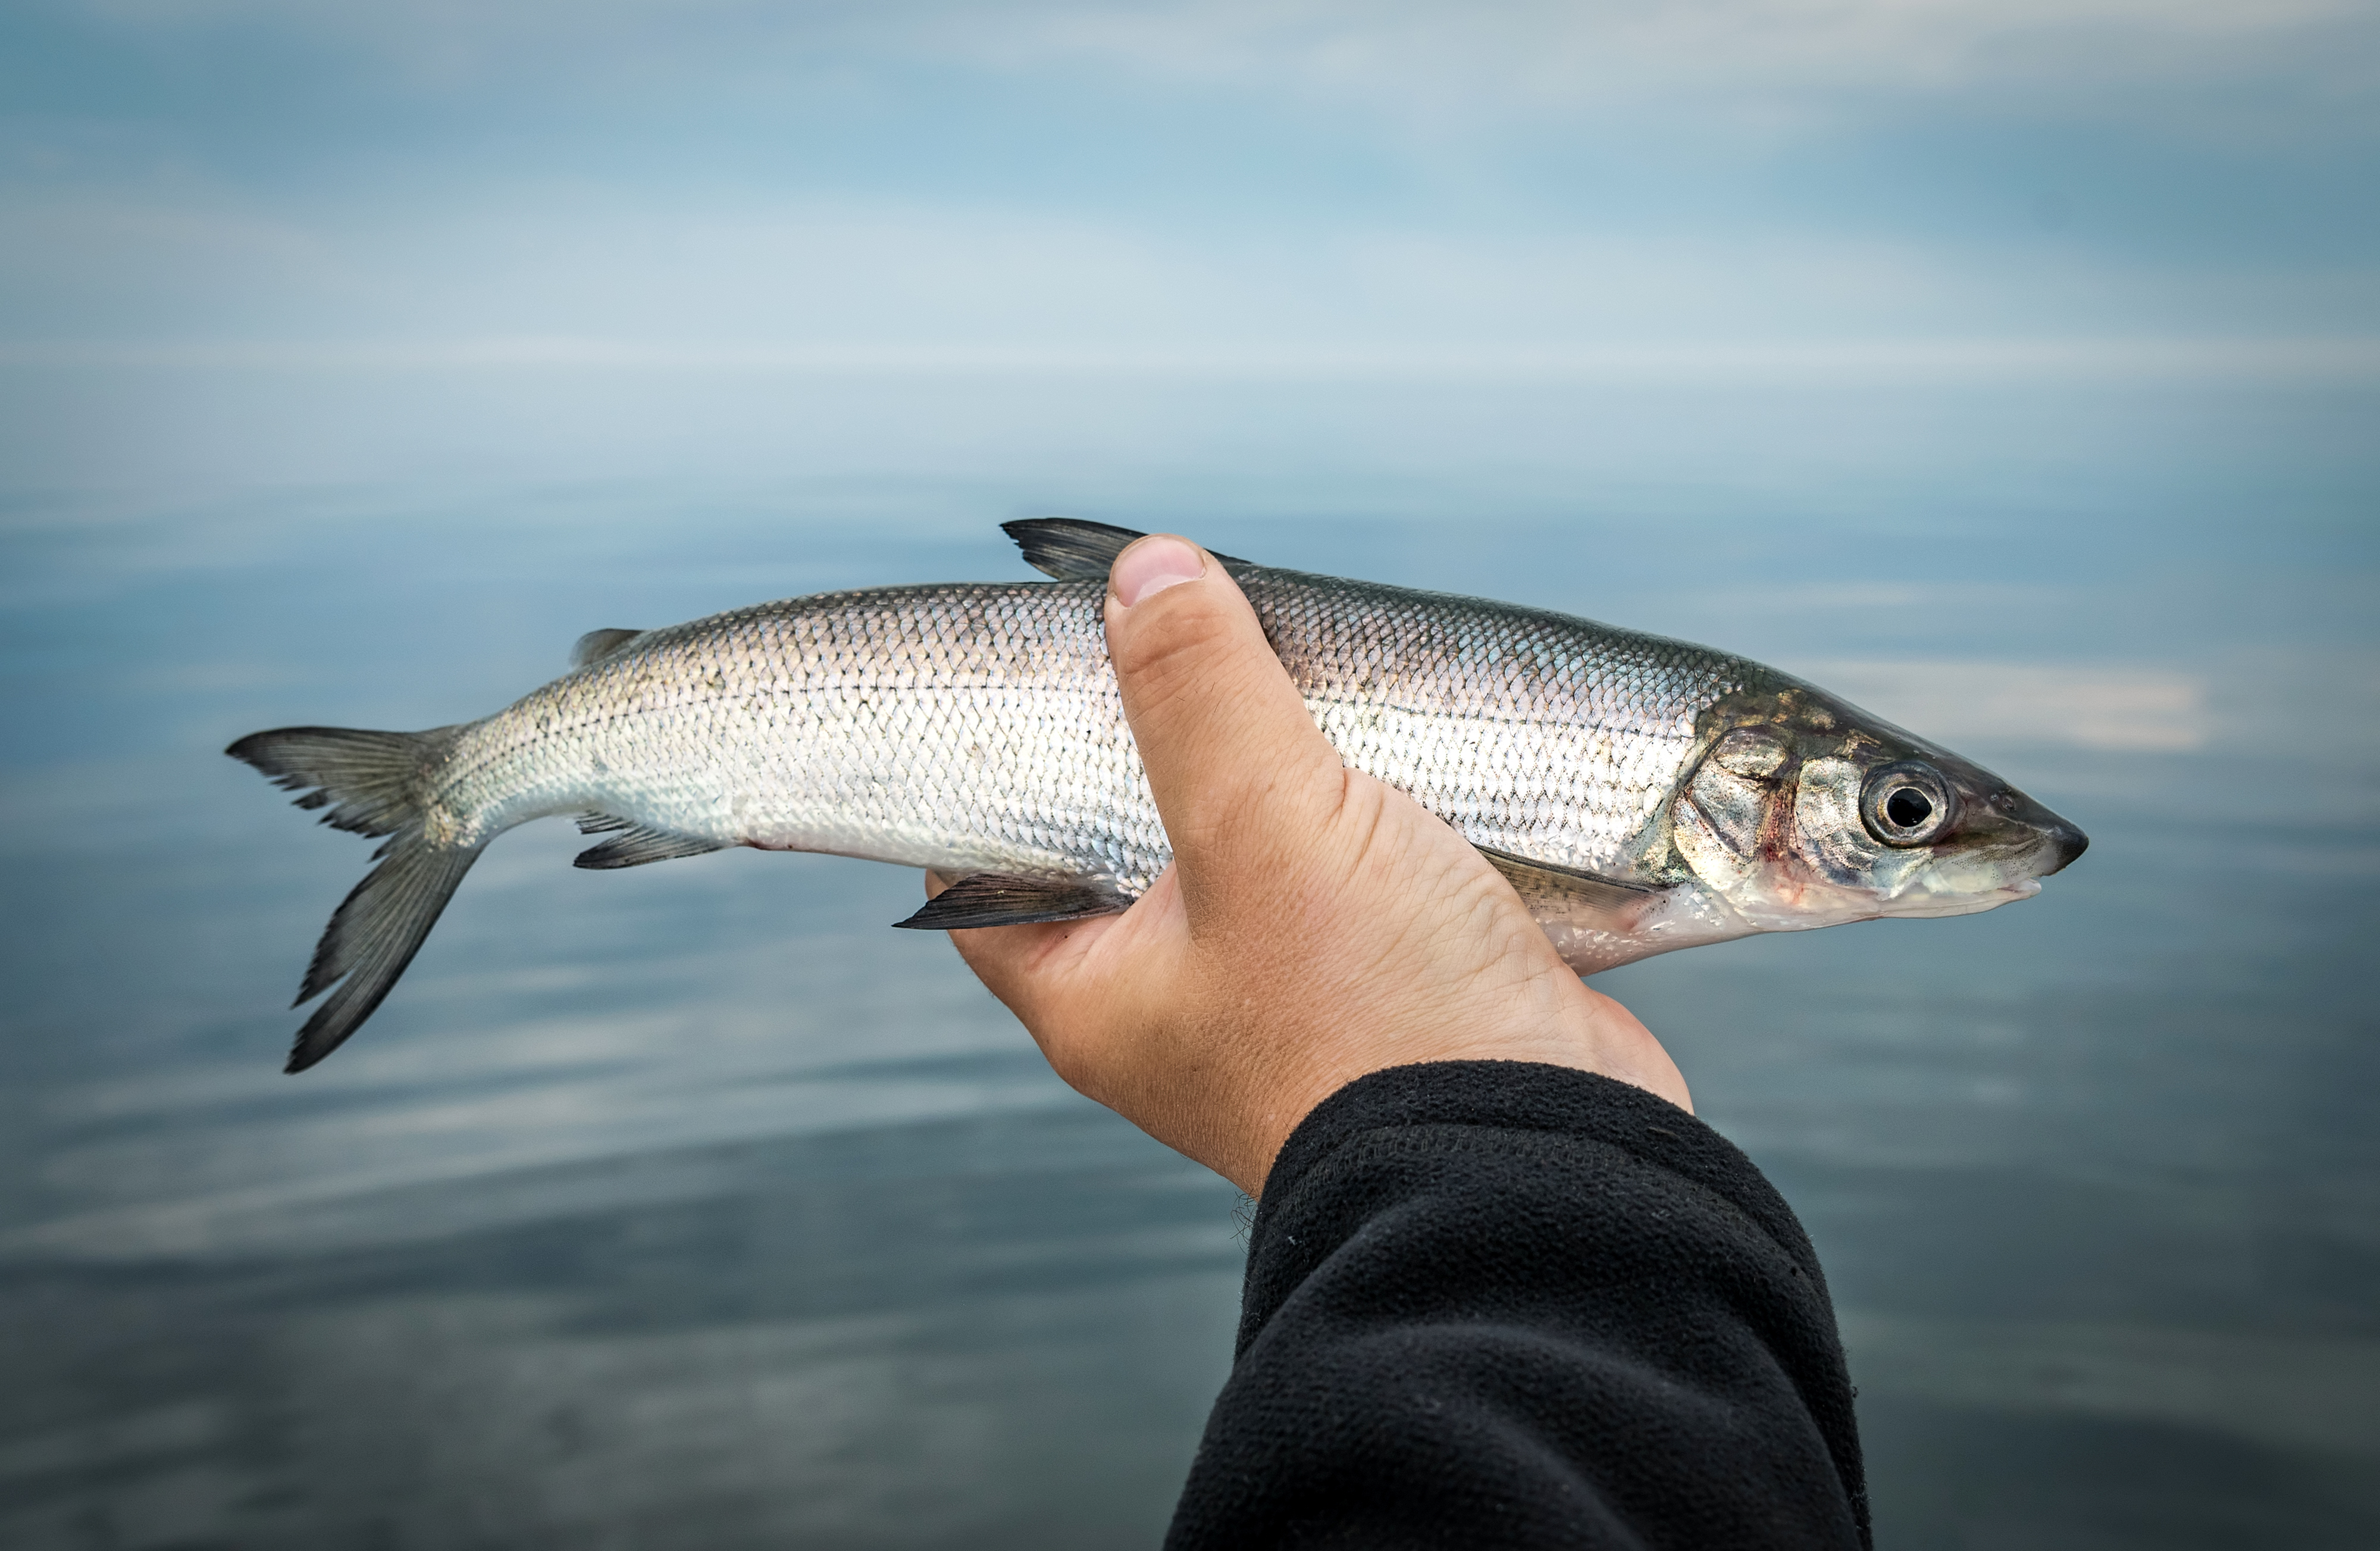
689, 1206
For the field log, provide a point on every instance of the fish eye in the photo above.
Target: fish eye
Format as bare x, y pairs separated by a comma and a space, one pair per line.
1908, 803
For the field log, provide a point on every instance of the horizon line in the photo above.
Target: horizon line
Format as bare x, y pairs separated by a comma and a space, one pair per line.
2309, 358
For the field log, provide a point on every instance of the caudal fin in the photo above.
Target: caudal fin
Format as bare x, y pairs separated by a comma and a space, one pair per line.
373, 784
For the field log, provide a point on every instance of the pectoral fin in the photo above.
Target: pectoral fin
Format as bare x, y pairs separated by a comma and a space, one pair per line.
1536, 880
1012, 899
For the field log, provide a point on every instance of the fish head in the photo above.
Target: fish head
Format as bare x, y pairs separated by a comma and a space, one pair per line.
1805, 811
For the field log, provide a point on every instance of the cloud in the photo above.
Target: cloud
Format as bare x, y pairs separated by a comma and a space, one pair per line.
635, 279
2196, 66
702, 195
1564, 53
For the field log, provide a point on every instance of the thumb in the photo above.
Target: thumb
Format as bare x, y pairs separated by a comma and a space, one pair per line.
1234, 759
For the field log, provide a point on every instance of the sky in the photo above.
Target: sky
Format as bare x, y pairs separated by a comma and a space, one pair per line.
1206, 186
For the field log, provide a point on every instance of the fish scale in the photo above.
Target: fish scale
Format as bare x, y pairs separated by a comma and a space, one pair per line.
854, 723
978, 730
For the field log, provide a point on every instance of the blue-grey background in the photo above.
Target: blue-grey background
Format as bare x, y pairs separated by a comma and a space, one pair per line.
2012, 368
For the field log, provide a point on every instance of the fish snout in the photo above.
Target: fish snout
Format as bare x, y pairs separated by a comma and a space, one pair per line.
2015, 822
2063, 843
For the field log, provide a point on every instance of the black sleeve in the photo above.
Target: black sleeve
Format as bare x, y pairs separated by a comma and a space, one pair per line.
1493, 1303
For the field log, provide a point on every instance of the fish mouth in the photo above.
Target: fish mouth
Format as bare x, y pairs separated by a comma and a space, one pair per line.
1933, 907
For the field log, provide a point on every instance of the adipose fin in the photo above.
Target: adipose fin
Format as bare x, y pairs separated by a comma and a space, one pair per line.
598, 644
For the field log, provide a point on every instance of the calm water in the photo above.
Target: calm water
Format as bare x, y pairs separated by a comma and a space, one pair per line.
691, 1207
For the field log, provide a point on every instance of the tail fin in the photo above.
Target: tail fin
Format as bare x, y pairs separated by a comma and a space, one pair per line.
372, 783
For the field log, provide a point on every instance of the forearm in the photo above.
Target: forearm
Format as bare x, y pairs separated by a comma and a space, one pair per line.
1497, 1303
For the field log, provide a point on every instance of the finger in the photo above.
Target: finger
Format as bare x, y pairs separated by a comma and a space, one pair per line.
1233, 757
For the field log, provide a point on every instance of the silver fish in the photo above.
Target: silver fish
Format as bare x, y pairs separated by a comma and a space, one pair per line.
1642, 794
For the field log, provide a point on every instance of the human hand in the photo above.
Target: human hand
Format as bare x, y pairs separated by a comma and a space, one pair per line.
1316, 924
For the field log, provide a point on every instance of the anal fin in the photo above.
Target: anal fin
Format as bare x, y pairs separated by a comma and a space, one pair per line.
634, 845
1013, 899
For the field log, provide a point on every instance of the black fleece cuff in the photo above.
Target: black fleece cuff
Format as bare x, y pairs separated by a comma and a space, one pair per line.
1529, 1097
1503, 1304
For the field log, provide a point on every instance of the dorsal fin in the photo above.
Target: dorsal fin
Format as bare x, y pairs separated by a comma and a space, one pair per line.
1073, 549
597, 644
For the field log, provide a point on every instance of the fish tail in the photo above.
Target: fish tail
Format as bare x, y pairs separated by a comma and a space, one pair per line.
371, 783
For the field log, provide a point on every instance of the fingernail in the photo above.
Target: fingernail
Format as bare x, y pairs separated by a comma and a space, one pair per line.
1149, 565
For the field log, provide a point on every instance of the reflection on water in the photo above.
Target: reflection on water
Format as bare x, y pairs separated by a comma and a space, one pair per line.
2091, 707
689, 1206
911, 1332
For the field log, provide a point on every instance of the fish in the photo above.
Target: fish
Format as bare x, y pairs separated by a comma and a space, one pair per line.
1641, 794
